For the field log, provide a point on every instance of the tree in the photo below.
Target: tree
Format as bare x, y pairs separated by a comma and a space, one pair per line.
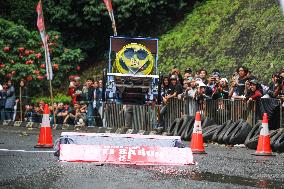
22, 55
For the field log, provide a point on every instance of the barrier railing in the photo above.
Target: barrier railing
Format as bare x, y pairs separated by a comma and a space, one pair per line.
144, 117
222, 110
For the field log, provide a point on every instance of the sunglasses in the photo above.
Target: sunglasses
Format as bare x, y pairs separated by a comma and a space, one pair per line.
140, 54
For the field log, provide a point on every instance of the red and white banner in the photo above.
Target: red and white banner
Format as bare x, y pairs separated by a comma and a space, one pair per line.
142, 155
41, 28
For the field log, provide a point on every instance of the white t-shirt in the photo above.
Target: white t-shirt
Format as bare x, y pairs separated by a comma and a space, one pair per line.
1, 88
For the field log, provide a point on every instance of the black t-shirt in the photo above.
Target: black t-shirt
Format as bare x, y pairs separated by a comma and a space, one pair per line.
177, 88
240, 89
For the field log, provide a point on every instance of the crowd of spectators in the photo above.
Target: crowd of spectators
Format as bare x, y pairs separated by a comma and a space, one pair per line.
85, 108
201, 85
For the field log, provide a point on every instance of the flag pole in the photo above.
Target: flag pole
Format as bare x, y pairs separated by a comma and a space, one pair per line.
48, 64
111, 15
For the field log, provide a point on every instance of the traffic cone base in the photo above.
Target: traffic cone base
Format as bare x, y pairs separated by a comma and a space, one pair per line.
197, 146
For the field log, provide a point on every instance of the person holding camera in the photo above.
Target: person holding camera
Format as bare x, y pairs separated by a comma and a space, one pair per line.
279, 86
237, 90
222, 90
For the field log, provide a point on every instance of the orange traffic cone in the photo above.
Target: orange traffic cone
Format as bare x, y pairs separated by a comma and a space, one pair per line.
45, 136
263, 146
196, 145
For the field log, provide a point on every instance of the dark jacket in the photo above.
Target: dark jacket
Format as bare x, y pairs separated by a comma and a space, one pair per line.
11, 98
3, 96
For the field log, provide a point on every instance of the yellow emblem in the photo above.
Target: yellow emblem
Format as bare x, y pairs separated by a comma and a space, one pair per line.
134, 59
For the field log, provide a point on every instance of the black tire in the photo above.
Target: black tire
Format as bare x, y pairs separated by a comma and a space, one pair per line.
274, 137
208, 128
178, 126
279, 143
218, 131
230, 130
224, 130
186, 123
254, 132
207, 122
240, 133
208, 133
172, 127
186, 135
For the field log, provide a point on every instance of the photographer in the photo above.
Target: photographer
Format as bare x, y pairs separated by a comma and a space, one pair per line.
279, 86
222, 90
237, 90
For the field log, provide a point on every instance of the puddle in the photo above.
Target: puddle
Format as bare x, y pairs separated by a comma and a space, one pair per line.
166, 173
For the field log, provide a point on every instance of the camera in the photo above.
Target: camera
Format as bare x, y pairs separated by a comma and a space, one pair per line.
279, 79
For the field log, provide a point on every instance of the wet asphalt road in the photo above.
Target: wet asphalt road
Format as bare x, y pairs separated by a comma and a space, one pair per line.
222, 167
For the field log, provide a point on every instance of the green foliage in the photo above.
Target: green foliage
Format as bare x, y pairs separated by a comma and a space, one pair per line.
58, 98
86, 24
22, 56
225, 34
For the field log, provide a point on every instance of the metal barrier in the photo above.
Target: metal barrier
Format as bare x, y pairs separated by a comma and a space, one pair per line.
144, 117
222, 110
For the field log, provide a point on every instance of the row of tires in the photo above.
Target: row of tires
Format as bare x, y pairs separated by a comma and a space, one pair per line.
231, 132
276, 138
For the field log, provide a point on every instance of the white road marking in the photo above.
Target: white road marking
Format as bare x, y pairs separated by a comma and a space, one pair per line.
26, 151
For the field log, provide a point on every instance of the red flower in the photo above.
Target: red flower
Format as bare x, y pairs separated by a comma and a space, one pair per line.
78, 68
21, 49
29, 78
42, 66
27, 52
29, 62
38, 55
6, 49
2, 65
37, 72
55, 66
40, 77
20, 56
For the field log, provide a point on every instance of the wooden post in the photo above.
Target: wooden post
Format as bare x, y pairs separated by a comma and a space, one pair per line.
21, 105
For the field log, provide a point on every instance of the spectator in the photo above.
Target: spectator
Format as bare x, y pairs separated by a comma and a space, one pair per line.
71, 114
175, 71
238, 86
29, 113
71, 92
78, 90
98, 94
175, 88
192, 91
165, 86
10, 101
254, 93
60, 113
222, 91
37, 114
187, 74
279, 85
80, 115
88, 93
3, 96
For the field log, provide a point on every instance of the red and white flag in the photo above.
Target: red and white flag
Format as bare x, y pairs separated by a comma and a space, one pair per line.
111, 15
108, 5
41, 28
